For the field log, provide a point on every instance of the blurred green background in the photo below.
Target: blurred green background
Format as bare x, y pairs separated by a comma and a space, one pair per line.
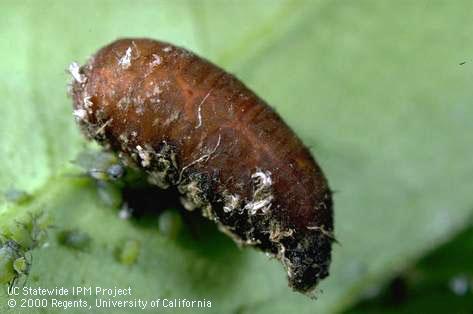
380, 90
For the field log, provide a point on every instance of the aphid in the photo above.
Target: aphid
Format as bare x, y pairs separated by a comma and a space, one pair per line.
106, 170
101, 166
170, 223
128, 252
13, 262
74, 239
21, 265
8, 254
16, 243
16, 196
30, 231
187, 123
110, 194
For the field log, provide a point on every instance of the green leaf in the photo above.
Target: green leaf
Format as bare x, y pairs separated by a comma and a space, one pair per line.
374, 87
441, 282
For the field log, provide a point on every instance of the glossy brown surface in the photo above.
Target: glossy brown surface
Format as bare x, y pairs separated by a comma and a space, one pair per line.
188, 123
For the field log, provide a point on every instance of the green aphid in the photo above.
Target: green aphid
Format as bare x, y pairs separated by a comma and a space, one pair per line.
129, 252
20, 232
21, 265
16, 196
170, 223
7, 272
31, 231
100, 165
110, 194
10, 252
74, 239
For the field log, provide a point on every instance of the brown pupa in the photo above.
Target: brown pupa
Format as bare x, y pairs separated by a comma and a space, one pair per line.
187, 123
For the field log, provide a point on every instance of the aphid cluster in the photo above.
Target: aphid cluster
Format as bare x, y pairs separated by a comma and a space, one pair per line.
16, 244
187, 123
13, 262
106, 171
101, 166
